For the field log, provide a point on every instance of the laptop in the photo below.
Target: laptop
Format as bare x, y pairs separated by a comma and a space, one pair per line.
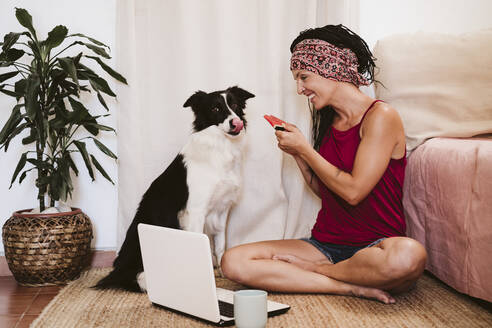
180, 276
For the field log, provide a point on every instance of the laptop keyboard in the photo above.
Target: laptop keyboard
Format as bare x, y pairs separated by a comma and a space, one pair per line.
226, 309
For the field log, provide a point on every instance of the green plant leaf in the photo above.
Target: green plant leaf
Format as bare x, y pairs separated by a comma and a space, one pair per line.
13, 54
104, 149
57, 123
56, 186
71, 89
98, 50
25, 20
8, 92
20, 87
56, 37
66, 186
76, 59
86, 69
31, 138
14, 133
79, 110
101, 127
99, 84
91, 128
71, 163
35, 49
10, 56
100, 169
20, 166
101, 100
83, 151
41, 183
81, 116
10, 39
108, 69
99, 43
39, 164
31, 96
23, 176
6, 76
68, 66
14, 119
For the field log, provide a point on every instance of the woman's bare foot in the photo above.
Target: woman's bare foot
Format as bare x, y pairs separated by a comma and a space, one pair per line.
359, 291
373, 293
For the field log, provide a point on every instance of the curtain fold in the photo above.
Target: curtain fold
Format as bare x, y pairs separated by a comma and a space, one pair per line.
170, 49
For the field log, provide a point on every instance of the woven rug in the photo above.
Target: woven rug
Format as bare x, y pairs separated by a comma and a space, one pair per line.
430, 304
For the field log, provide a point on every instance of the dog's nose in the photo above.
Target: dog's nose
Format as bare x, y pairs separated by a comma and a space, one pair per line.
236, 124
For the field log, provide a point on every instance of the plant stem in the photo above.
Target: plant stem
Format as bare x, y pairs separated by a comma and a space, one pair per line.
39, 152
54, 57
20, 71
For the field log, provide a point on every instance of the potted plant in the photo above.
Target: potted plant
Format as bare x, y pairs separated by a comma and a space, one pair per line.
48, 246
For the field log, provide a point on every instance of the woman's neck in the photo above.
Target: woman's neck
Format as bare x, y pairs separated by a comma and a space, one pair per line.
349, 104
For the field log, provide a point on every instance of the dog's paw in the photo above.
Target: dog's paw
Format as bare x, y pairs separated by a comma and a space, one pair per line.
219, 271
141, 281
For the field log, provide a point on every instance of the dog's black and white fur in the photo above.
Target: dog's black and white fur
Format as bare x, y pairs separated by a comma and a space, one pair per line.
197, 190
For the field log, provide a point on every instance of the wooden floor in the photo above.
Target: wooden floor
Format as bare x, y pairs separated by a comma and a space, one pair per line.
19, 305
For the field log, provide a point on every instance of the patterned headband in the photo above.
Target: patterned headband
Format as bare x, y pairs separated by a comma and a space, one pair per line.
325, 59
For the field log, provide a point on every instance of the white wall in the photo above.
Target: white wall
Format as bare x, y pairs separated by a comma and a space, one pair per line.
380, 18
98, 200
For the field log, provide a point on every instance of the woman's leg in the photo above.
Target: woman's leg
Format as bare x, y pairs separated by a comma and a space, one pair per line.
394, 265
252, 265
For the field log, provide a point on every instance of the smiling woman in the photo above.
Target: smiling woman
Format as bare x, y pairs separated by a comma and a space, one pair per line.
357, 166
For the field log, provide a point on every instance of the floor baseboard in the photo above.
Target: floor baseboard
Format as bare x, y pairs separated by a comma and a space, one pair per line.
99, 259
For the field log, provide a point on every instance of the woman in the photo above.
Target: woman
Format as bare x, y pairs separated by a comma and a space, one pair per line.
358, 245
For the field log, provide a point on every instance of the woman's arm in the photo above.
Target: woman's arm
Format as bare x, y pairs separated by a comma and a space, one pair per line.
381, 131
308, 174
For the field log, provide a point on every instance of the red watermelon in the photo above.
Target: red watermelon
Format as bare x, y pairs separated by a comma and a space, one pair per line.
275, 122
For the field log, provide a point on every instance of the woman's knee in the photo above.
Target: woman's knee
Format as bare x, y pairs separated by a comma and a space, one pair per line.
232, 265
406, 259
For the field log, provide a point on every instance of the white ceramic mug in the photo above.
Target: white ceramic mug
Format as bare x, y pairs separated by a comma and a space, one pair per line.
250, 308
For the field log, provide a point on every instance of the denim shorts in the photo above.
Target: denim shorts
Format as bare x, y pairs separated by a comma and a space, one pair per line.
336, 253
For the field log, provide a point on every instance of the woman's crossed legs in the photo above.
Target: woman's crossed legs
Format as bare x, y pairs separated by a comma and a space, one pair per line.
393, 265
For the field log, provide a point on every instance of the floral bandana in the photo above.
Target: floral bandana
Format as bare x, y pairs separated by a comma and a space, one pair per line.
325, 59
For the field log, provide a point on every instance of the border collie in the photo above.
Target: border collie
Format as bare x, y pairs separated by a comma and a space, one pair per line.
199, 187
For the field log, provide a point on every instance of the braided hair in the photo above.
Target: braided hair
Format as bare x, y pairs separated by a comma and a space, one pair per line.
341, 37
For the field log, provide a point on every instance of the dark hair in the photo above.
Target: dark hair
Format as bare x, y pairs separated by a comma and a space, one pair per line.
341, 37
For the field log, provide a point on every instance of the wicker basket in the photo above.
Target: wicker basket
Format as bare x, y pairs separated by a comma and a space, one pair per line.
47, 249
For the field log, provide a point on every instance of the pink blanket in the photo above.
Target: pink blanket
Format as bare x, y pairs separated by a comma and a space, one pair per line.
448, 208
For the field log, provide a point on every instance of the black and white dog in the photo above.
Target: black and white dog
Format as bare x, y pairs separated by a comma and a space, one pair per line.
197, 190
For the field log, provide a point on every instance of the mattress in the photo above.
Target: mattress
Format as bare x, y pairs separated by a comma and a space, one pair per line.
448, 207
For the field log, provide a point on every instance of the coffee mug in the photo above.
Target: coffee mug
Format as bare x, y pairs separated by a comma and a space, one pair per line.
250, 308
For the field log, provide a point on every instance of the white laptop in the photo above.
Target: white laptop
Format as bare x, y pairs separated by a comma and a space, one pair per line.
180, 277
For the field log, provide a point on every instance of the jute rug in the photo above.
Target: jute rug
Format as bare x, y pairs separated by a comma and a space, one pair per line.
430, 304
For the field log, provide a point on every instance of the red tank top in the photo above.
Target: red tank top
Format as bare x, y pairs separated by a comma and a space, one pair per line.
379, 215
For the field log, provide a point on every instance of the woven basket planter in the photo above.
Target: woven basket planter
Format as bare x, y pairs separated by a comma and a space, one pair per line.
47, 249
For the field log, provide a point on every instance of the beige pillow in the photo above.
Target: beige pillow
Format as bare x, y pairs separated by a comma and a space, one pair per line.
440, 84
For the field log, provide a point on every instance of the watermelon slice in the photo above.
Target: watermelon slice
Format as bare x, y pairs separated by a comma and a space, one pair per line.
275, 122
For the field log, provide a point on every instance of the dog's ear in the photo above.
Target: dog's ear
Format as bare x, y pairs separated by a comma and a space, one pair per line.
241, 93
195, 99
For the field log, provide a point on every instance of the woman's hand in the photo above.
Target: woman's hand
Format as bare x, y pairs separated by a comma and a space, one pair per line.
299, 262
291, 141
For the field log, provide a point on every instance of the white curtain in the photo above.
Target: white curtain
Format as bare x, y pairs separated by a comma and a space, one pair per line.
170, 49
